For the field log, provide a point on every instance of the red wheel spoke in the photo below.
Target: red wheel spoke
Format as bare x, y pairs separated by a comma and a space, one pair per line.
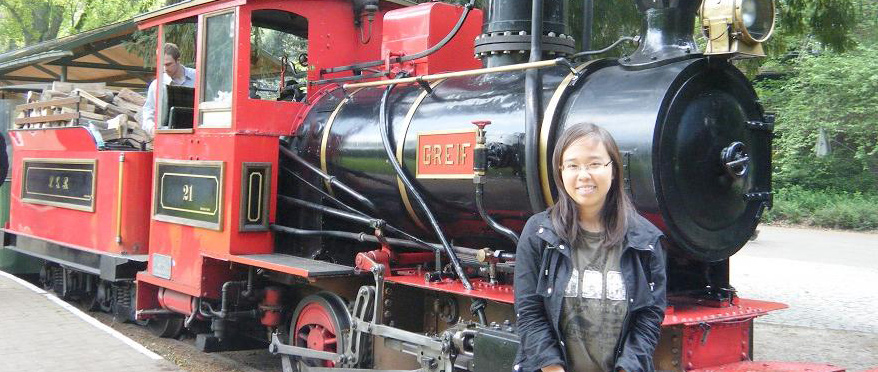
316, 327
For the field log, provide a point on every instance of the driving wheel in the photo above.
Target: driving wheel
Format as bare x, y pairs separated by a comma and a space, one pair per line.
318, 324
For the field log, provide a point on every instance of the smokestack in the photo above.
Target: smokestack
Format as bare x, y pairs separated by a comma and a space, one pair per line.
666, 32
506, 32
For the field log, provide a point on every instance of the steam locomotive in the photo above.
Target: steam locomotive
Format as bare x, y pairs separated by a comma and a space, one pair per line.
362, 211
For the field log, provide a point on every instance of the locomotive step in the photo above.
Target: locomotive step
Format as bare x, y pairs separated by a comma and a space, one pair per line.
299, 266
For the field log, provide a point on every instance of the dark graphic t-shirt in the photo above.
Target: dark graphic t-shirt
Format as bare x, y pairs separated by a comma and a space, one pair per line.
594, 305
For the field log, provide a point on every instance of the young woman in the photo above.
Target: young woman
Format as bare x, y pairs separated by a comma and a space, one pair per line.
589, 271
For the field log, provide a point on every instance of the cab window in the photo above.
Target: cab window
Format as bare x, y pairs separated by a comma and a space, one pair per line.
176, 98
217, 70
278, 56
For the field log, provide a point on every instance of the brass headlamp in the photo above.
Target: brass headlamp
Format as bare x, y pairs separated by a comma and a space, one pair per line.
737, 27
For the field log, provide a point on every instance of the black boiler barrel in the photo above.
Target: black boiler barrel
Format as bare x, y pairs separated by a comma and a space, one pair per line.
677, 126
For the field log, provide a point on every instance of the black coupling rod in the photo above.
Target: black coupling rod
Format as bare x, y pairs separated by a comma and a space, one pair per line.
328, 178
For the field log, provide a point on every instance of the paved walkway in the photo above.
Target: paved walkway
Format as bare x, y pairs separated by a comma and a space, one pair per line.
41, 333
826, 277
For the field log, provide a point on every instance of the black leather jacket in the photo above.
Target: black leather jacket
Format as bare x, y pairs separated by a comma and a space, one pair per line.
543, 268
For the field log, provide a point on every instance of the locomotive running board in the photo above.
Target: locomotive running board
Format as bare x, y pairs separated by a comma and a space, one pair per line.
299, 266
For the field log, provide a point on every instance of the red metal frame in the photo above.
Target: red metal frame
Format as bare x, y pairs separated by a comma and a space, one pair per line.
414, 29
685, 312
481, 288
750, 366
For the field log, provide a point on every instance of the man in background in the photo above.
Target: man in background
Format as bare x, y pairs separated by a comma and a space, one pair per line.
175, 74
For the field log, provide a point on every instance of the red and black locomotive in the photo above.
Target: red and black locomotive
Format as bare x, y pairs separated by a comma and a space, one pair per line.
362, 211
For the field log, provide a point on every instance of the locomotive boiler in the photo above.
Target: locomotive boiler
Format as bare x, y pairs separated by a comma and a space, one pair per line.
362, 210
690, 128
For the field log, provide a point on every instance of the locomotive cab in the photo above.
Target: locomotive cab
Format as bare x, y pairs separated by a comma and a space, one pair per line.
259, 67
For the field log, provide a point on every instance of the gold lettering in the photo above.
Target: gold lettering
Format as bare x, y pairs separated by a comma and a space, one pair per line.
437, 154
55, 182
448, 154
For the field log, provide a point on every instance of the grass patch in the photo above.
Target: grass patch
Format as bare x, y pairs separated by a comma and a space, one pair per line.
832, 209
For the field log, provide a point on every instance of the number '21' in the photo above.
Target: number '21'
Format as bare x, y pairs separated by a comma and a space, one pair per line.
188, 190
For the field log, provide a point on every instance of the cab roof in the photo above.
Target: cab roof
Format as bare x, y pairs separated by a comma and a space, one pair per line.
186, 4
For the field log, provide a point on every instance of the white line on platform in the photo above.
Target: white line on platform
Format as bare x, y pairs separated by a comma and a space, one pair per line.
140, 348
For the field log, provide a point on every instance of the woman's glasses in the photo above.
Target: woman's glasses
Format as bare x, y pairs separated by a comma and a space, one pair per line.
593, 167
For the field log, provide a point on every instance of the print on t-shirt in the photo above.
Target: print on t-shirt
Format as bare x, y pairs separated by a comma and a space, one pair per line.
592, 284
572, 289
615, 286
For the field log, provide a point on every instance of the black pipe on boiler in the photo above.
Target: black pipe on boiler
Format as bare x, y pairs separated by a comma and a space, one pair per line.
374, 223
385, 140
330, 179
533, 111
587, 23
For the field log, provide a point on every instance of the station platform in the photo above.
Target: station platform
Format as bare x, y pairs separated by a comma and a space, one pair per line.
41, 333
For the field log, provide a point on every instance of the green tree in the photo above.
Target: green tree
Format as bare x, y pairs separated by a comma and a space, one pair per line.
834, 93
27, 22
822, 89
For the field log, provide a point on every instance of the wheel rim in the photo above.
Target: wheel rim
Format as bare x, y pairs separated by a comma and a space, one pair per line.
166, 327
316, 327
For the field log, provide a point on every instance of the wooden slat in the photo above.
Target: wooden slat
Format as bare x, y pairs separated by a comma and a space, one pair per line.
96, 101
126, 105
54, 102
131, 96
48, 118
65, 87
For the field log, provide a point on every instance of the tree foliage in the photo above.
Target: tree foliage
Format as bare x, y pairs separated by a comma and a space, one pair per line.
26, 22
824, 89
829, 22
835, 93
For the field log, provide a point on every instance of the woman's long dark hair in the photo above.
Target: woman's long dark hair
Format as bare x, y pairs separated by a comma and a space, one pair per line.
617, 206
